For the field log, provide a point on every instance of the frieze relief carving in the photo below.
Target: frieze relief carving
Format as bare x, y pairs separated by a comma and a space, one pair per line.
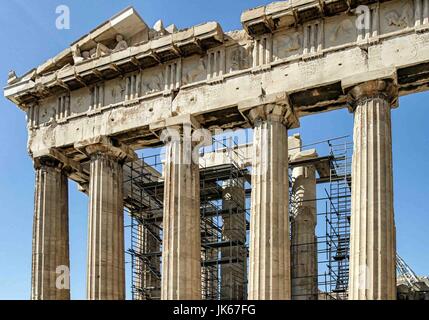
113, 92
397, 16
239, 57
239, 53
401, 18
49, 111
194, 70
119, 43
48, 114
100, 50
153, 85
78, 105
346, 27
152, 81
286, 45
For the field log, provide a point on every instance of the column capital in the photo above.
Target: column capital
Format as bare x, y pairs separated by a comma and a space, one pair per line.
303, 161
304, 155
54, 157
107, 146
381, 88
279, 112
47, 161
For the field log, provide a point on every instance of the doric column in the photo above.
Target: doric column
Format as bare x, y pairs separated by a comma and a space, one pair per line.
233, 274
181, 250
373, 248
106, 265
270, 273
51, 263
106, 268
304, 220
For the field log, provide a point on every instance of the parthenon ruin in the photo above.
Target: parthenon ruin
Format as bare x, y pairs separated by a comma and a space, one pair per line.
126, 87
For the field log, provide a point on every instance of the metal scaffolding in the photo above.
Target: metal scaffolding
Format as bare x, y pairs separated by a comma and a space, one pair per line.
333, 199
145, 191
224, 224
335, 245
225, 194
225, 189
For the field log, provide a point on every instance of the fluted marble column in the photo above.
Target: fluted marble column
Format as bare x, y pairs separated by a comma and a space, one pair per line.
50, 263
304, 219
269, 255
181, 251
373, 248
106, 265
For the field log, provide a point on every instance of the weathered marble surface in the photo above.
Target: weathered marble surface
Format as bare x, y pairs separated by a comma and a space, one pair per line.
121, 84
304, 63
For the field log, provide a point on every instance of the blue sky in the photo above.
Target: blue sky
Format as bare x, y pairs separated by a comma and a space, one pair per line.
29, 37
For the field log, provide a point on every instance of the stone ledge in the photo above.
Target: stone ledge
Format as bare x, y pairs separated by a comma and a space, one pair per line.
287, 14
106, 145
175, 121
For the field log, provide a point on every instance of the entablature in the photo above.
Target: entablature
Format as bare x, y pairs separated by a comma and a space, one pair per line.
310, 67
290, 14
